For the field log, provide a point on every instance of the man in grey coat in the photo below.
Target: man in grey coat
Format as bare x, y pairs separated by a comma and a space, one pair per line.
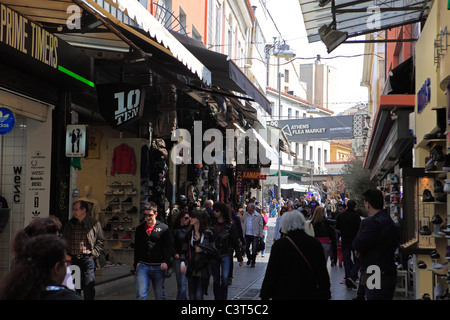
252, 225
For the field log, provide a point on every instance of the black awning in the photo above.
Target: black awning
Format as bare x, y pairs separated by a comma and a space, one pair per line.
401, 79
225, 74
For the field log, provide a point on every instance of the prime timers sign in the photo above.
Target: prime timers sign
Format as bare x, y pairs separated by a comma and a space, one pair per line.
120, 103
26, 36
35, 44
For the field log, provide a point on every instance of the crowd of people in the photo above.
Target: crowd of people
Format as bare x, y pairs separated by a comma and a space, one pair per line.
200, 243
307, 234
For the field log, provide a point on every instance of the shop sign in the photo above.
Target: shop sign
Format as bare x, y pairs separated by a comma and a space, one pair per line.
320, 128
76, 138
30, 39
424, 96
239, 183
120, 103
38, 168
253, 174
7, 120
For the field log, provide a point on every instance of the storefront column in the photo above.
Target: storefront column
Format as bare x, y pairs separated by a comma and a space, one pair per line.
60, 180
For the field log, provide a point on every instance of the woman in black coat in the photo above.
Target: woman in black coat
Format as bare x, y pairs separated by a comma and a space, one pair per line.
291, 276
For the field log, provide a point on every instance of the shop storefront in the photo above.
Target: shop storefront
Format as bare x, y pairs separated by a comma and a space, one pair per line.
429, 247
39, 73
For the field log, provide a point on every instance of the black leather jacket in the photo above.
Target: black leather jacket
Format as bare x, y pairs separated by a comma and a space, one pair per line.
227, 239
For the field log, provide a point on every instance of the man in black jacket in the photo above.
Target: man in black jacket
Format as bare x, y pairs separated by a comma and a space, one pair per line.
347, 225
376, 245
152, 254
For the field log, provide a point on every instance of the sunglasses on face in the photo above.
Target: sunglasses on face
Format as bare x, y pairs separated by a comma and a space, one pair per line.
187, 218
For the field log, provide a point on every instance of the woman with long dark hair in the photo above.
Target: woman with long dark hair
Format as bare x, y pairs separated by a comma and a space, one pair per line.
40, 272
179, 230
226, 239
195, 254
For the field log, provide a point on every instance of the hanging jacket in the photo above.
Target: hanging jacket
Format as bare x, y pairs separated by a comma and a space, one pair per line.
123, 160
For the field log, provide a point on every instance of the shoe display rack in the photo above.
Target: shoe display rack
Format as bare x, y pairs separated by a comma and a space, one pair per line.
434, 230
123, 206
392, 196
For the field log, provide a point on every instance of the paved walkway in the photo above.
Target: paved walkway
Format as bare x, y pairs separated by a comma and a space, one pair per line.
246, 282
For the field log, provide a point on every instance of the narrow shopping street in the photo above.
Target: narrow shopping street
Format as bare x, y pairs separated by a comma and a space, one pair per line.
245, 286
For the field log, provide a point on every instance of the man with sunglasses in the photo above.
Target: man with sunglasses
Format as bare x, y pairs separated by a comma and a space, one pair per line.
152, 254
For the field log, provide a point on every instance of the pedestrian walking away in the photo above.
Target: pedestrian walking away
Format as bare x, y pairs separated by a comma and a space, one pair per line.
296, 268
153, 251
85, 243
347, 226
323, 231
376, 245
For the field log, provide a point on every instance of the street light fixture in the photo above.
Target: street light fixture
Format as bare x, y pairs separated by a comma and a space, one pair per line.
283, 51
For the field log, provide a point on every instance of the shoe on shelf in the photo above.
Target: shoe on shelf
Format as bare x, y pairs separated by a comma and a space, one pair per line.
436, 219
441, 269
438, 187
436, 154
425, 231
421, 264
127, 236
446, 166
429, 164
118, 245
427, 196
426, 296
447, 186
440, 265
439, 133
434, 254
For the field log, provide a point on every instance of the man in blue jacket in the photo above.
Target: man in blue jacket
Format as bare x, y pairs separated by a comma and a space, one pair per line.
376, 245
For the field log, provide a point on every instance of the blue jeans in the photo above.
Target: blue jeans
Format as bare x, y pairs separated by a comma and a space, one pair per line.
145, 273
181, 281
87, 268
220, 271
195, 285
265, 241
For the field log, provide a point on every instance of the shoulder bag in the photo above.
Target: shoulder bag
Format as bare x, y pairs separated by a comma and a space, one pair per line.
300, 252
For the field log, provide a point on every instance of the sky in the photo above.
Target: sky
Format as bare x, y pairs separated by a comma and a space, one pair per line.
289, 20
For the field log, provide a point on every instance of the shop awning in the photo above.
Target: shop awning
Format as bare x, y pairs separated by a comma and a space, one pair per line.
401, 79
102, 31
295, 186
390, 141
225, 73
271, 153
358, 17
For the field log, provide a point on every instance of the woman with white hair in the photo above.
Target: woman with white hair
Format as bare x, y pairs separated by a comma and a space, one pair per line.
297, 268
